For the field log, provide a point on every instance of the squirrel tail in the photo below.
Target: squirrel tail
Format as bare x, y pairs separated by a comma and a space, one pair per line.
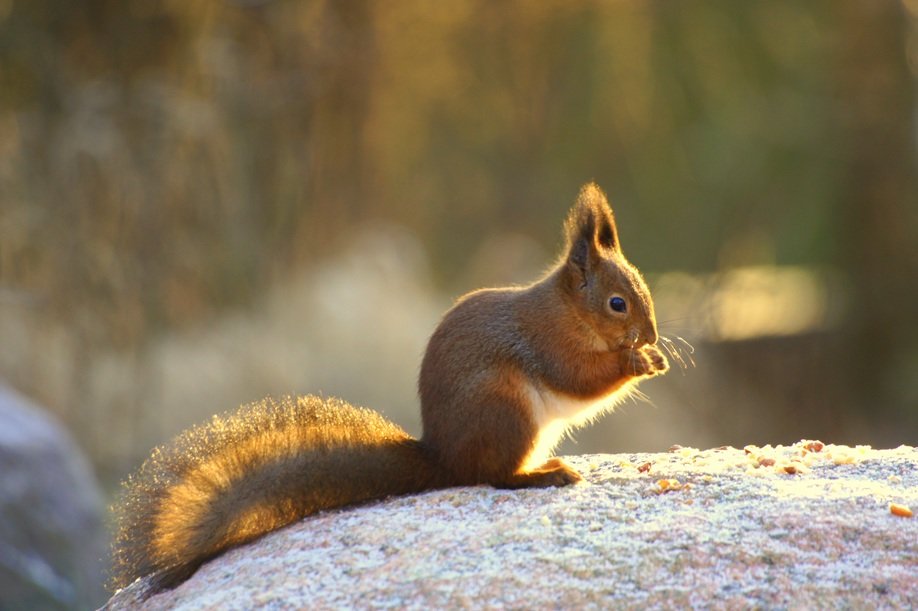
251, 472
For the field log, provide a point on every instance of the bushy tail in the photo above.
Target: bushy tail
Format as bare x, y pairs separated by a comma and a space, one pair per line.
246, 474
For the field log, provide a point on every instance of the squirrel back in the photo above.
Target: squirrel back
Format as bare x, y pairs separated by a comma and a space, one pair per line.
505, 374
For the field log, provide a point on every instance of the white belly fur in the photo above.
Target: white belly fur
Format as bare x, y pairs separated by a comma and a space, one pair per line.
555, 414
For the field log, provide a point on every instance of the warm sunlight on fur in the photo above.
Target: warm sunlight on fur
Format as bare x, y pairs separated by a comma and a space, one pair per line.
188, 479
558, 416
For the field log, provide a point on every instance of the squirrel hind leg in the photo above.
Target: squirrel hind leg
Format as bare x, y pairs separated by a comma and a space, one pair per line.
555, 472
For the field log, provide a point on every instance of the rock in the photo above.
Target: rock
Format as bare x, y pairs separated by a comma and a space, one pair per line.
759, 527
52, 538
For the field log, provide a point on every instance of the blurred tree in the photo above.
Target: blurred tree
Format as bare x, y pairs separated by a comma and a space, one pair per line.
879, 218
162, 162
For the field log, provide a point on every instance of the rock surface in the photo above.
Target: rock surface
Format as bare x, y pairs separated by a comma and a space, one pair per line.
799, 526
52, 539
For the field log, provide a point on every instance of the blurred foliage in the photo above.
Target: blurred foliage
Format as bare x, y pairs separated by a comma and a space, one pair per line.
163, 161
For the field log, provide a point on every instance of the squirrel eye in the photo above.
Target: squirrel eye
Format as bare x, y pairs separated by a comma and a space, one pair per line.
618, 304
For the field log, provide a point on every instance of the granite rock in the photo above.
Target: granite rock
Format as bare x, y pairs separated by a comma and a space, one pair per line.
800, 526
52, 536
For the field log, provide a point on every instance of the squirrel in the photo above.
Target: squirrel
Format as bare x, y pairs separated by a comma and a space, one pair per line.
506, 373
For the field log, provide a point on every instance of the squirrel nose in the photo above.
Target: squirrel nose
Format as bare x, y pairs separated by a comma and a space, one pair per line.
650, 335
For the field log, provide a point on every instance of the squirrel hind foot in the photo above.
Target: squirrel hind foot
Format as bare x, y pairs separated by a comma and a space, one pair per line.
555, 473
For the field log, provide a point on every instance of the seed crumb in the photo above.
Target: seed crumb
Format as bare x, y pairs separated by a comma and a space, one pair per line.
903, 511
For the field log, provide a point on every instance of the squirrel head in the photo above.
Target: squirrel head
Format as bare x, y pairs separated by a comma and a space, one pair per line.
607, 291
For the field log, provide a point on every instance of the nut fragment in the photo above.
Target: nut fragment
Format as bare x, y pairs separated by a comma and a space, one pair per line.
903, 511
766, 462
814, 446
644, 468
665, 485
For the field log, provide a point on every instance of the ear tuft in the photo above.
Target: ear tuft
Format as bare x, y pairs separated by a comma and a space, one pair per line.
590, 226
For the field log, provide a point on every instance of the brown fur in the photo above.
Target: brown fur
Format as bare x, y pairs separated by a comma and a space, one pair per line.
505, 373
254, 471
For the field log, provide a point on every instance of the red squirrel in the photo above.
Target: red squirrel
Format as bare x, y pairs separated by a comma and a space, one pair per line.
506, 373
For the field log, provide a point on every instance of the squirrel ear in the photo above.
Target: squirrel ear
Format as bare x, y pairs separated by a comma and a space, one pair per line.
590, 227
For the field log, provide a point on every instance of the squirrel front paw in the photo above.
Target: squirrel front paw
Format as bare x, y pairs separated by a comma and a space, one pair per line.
645, 361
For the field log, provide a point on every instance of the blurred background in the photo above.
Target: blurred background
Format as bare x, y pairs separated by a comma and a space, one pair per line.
202, 203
